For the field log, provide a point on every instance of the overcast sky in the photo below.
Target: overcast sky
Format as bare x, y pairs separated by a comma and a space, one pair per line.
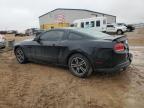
22, 14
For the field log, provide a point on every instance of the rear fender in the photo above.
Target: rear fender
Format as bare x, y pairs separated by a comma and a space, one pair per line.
78, 52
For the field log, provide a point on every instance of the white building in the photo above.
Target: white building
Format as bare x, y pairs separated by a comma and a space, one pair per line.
64, 17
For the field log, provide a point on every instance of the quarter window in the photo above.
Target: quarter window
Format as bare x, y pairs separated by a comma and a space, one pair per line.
75, 36
52, 36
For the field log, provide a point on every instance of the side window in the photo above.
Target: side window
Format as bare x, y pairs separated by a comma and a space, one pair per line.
82, 24
52, 36
92, 24
87, 24
110, 26
97, 23
75, 36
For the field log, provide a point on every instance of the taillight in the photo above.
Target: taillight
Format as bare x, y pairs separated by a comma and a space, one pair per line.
119, 47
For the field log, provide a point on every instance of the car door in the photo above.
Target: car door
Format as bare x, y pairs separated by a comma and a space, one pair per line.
48, 48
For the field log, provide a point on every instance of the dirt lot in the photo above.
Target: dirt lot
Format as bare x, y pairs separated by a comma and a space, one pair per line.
136, 38
46, 86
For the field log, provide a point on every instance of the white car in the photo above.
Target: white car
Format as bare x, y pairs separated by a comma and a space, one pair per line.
114, 28
2, 42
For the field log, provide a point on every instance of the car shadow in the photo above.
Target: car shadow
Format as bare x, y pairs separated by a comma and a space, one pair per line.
95, 74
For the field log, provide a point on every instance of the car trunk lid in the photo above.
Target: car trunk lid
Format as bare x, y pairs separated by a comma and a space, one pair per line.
120, 48
116, 38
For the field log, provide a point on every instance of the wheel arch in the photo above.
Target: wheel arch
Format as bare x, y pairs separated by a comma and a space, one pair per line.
18, 46
78, 52
119, 30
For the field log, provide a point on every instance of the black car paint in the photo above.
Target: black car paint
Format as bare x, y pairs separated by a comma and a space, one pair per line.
99, 52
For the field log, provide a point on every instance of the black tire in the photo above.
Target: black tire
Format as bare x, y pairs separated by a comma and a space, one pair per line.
80, 66
119, 32
21, 58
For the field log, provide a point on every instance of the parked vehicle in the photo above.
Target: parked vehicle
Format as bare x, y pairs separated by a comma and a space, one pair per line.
2, 42
130, 27
99, 23
3, 32
114, 28
82, 50
8, 32
12, 32
20, 34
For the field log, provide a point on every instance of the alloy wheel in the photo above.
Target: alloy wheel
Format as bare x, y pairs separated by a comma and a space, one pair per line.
20, 55
78, 65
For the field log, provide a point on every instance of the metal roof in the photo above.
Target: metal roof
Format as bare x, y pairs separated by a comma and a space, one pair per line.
75, 9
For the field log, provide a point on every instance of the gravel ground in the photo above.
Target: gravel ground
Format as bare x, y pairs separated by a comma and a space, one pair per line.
47, 86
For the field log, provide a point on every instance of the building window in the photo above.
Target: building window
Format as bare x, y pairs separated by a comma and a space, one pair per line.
82, 24
97, 23
92, 24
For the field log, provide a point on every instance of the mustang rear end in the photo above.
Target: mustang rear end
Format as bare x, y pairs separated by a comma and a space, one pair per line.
119, 57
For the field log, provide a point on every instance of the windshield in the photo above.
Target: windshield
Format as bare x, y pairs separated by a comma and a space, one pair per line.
93, 33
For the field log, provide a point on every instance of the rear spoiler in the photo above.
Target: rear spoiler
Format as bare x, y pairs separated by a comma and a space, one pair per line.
120, 38
117, 38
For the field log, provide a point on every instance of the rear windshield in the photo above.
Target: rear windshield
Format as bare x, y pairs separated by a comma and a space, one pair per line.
93, 33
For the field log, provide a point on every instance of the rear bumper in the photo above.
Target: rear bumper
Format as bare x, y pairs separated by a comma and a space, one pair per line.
117, 67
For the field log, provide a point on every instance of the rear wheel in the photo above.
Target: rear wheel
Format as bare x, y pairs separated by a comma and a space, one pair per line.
21, 58
80, 66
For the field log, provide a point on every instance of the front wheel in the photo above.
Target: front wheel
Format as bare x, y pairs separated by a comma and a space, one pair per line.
129, 30
119, 32
21, 58
80, 66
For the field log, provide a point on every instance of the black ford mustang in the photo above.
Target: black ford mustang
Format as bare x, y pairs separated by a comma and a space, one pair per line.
82, 50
